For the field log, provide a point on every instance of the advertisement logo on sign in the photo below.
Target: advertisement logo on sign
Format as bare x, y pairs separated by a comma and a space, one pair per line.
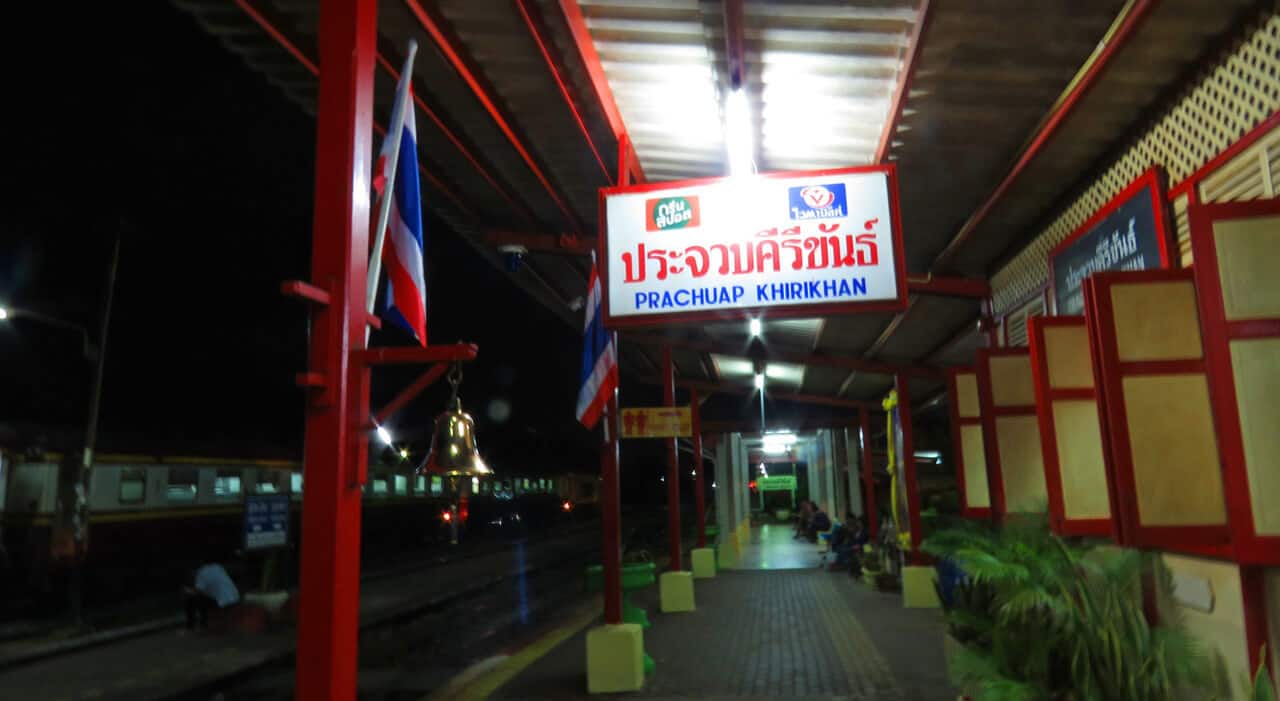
818, 202
666, 213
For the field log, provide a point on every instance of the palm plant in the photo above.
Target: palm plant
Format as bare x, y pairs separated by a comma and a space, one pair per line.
1058, 620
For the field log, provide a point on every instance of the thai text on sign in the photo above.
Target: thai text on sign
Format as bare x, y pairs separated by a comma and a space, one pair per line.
780, 241
657, 422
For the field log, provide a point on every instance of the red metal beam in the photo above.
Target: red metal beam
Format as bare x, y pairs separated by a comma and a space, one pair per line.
894, 324
1121, 31
415, 355
407, 394
699, 490
611, 515
595, 71
835, 361
868, 474
733, 42
336, 449
673, 467
903, 89
729, 388
909, 469
930, 284
532, 20
569, 244
448, 45
752, 427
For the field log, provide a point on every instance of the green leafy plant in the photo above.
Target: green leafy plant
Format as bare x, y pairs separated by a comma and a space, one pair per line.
1262, 688
1044, 619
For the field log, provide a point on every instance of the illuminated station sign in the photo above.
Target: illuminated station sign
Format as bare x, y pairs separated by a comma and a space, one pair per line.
780, 244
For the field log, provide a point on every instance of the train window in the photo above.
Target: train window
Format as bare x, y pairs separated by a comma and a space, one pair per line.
420, 485
133, 485
379, 486
436, 486
184, 483
475, 485
295, 482
486, 487
402, 484
226, 484
265, 483
503, 489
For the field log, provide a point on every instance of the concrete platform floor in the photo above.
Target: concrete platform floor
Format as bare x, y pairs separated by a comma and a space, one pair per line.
773, 547
771, 634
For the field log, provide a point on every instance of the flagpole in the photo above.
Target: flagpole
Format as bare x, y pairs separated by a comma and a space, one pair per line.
388, 188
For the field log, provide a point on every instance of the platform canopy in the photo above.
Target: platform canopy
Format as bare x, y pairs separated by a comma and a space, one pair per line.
993, 111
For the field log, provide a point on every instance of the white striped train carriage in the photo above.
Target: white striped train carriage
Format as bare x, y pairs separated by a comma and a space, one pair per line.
152, 518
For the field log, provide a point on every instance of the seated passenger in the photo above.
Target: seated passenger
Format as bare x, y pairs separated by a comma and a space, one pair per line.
820, 522
211, 588
803, 517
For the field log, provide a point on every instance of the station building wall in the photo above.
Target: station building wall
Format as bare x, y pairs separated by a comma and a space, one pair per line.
1199, 138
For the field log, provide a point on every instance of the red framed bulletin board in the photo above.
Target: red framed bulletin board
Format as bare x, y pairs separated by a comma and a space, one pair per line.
1237, 251
968, 451
1075, 466
1151, 369
1143, 199
1010, 431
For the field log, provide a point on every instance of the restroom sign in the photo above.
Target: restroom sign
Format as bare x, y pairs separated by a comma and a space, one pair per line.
779, 244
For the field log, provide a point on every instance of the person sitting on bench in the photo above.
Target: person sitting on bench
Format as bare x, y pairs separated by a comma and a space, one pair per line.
856, 539
803, 517
820, 522
211, 588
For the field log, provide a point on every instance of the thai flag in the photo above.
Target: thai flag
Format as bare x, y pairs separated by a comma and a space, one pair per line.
599, 357
405, 301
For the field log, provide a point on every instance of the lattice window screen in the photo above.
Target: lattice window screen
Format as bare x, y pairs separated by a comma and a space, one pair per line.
1228, 100
1015, 325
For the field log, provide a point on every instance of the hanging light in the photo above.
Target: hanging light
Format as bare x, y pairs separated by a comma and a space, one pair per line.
453, 444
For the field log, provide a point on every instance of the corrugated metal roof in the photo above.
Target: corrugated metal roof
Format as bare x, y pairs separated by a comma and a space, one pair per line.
819, 77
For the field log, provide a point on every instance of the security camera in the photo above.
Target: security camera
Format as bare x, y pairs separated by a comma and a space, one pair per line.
512, 254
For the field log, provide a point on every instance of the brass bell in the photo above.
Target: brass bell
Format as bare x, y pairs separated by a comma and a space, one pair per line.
453, 444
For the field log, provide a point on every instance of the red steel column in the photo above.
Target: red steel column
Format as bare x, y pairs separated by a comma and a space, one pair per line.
699, 490
868, 476
673, 464
330, 586
611, 514
908, 458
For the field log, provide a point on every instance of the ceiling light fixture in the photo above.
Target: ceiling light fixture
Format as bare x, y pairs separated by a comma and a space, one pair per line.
759, 380
755, 327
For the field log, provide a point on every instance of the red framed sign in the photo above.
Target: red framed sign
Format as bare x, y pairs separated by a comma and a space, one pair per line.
1011, 431
1151, 369
968, 450
1075, 468
779, 245
1129, 232
1237, 251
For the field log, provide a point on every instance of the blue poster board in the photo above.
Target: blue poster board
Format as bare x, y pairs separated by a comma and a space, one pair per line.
266, 521
1128, 233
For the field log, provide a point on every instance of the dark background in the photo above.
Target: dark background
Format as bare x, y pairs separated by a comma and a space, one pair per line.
132, 122
137, 124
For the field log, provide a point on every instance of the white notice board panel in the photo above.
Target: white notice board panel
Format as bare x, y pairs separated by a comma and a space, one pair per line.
780, 244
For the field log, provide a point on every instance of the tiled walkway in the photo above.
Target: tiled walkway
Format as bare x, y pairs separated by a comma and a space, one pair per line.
799, 633
773, 547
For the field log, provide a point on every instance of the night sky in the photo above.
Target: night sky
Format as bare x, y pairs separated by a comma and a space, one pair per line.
142, 126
